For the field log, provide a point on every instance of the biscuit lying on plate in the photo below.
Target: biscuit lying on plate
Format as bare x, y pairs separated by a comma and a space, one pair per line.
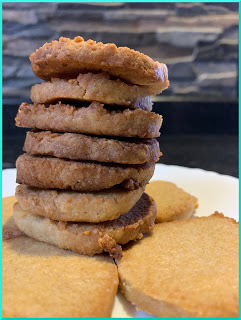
43, 281
185, 268
90, 238
172, 203
95, 119
93, 87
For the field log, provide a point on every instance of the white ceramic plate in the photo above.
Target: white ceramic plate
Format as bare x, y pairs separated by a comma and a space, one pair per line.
215, 192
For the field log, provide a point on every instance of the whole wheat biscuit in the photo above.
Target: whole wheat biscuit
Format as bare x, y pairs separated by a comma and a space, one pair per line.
67, 58
172, 202
90, 238
81, 147
54, 173
186, 268
43, 281
94, 119
75, 206
93, 87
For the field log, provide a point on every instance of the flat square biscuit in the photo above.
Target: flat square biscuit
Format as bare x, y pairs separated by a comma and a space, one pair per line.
40, 280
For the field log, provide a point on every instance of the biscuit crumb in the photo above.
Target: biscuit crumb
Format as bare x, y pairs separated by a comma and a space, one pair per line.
9, 233
109, 245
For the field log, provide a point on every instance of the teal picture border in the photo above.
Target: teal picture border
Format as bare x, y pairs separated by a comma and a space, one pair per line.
94, 1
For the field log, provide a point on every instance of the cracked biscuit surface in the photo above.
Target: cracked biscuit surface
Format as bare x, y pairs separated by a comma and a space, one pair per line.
68, 205
94, 119
93, 87
90, 238
67, 58
82, 147
54, 173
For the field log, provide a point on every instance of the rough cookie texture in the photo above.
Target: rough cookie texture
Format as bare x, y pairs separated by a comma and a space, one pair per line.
77, 206
94, 119
81, 147
54, 173
90, 238
186, 268
67, 58
93, 87
42, 281
172, 203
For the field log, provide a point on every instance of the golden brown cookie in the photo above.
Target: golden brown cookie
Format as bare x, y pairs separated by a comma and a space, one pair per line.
40, 280
54, 173
90, 238
186, 268
172, 202
76, 206
67, 58
93, 87
94, 119
82, 147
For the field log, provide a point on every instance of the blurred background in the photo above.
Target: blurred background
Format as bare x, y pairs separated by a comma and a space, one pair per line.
197, 41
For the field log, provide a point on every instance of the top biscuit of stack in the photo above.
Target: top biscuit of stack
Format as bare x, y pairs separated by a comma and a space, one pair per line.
67, 58
90, 71
114, 80
108, 82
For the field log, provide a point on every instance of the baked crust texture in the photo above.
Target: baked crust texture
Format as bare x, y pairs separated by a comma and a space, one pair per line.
67, 58
186, 268
42, 281
90, 238
94, 119
82, 147
77, 206
173, 203
93, 87
54, 173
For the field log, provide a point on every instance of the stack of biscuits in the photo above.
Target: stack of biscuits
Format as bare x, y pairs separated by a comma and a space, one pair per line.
92, 149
